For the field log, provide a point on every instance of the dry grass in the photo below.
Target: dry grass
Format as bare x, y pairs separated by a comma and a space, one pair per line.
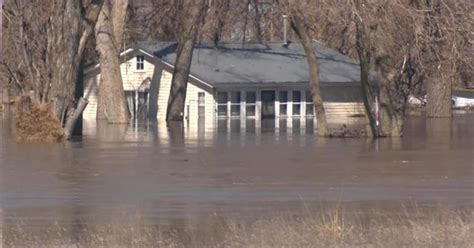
330, 229
37, 126
334, 230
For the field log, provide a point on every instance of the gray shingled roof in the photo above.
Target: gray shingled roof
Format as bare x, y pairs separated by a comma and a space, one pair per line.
237, 63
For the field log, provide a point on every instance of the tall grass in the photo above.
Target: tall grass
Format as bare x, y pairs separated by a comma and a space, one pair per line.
332, 228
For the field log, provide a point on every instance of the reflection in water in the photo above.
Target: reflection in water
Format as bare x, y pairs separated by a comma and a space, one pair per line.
172, 174
207, 133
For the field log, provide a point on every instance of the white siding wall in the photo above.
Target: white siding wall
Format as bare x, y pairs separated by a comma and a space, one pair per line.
338, 109
163, 94
191, 106
132, 79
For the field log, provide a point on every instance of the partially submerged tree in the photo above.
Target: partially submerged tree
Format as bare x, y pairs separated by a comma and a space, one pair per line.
109, 31
444, 38
300, 27
386, 76
193, 13
44, 44
405, 47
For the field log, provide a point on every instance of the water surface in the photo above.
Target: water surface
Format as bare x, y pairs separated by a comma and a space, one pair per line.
231, 169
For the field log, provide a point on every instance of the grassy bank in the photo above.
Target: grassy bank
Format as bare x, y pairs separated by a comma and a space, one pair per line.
332, 228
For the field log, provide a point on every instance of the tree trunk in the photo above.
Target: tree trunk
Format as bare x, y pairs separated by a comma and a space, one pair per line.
154, 92
438, 87
195, 11
388, 121
50, 38
391, 119
299, 26
179, 82
364, 63
67, 37
72, 119
257, 28
70, 29
109, 32
220, 9
438, 99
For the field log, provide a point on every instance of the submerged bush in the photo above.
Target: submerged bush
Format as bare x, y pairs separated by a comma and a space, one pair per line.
36, 123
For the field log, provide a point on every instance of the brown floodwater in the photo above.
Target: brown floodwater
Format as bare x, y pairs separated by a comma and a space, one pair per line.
230, 169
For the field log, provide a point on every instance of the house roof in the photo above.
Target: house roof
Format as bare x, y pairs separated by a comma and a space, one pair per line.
250, 63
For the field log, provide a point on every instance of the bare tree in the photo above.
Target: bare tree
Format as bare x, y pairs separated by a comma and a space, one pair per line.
300, 27
386, 61
220, 9
44, 45
109, 38
444, 38
192, 18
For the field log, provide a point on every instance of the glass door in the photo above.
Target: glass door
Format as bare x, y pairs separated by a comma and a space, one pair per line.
268, 104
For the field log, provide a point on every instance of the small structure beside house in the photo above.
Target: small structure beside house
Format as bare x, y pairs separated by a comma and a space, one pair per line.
235, 81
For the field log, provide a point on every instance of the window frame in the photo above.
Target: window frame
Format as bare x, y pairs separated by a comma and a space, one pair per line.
235, 104
296, 104
140, 63
251, 105
201, 99
285, 103
225, 104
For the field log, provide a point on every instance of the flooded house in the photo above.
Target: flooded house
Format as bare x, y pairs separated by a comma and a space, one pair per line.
235, 81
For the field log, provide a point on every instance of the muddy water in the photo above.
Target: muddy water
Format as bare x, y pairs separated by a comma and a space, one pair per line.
231, 169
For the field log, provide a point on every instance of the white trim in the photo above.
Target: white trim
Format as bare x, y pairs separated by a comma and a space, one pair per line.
229, 104
144, 52
243, 104
277, 104
289, 104
258, 105
303, 103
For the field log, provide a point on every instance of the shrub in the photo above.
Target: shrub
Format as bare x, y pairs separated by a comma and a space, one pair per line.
35, 122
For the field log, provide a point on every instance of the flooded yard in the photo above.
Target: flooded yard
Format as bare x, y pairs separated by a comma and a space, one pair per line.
166, 177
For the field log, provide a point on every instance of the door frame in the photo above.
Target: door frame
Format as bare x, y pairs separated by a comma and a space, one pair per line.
274, 103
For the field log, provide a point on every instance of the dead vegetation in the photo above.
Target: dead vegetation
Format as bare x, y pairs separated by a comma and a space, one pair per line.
332, 228
36, 123
345, 132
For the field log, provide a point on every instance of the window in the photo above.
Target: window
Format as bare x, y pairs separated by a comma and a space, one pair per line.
222, 98
250, 101
296, 103
201, 99
140, 62
283, 103
309, 104
201, 104
235, 103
